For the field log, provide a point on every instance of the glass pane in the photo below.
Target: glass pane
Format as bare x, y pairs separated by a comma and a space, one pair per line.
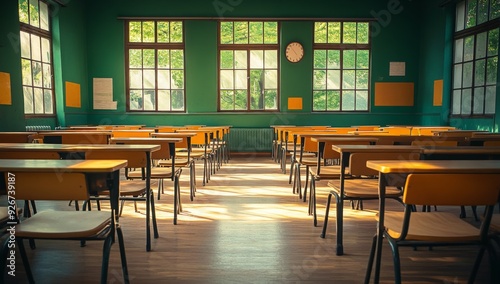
164, 79
240, 79
362, 59
226, 59
349, 61
271, 100
240, 101
493, 42
349, 79
226, 79
27, 75
178, 100
466, 108
457, 98
28, 99
241, 32
349, 32
47, 76
469, 48
457, 76
163, 30
320, 30
149, 58
348, 100
176, 32
135, 58
319, 100
163, 58
481, 45
491, 92
149, 100
149, 79
257, 89
492, 69
25, 45
136, 79
44, 16
45, 50
271, 32
362, 79
459, 50
177, 81
256, 32
36, 67
319, 80
471, 13
482, 11
36, 48
363, 32
333, 80
240, 57
227, 100
164, 100
460, 16
319, 58
148, 31
135, 33
480, 72
478, 101
333, 59
362, 100
256, 59
47, 102
23, 12
333, 100
271, 59
34, 13
135, 99
494, 9
177, 59
226, 32
38, 95
467, 75
271, 81
334, 32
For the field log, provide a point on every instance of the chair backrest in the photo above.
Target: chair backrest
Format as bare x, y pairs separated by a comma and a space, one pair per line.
357, 161
435, 143
329, 153
491, 143
452, 189
135, 159
133, 133
51, 186
75, 137
164, 153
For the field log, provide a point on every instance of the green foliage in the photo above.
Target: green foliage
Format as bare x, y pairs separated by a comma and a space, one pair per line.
24, 11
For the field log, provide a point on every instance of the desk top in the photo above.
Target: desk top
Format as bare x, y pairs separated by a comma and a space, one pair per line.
376, 148
343, 139
87, 166
75, 147
435, 166
173, 134
146, 139
461, 150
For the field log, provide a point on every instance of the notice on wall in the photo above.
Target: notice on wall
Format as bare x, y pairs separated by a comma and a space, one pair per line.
5, 89
103, 94
73, 95
397, 69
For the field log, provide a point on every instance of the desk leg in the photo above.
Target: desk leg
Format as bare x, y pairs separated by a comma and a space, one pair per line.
114, 196
148, 201
380, 227
340, 204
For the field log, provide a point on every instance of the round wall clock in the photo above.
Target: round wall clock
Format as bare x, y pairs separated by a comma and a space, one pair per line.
294, 51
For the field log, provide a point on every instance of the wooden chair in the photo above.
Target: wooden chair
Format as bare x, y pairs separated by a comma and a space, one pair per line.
63, 225
415, 229
201, 150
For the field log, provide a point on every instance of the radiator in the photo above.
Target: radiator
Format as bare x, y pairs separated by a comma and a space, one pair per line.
250, 139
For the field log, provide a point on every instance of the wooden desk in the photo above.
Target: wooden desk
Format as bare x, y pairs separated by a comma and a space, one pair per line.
461, 152
75, 137
387, 168
17, 137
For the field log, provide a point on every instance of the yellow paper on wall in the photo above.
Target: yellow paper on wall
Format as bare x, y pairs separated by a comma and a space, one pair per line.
394, 94
73, 95
295, 103
5, 89
438, 93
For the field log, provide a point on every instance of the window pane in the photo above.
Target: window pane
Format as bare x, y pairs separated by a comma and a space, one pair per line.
348, 100
47, 76
240, 59
362, 79
227, 100
136, 99
38, 96
333, 100
23, 12
492, 70
135, 58
469, 48
44, 16
493, 42
28, 100
348, 79
176, 32
135, 31
271, 32
460, 17
362, 100
256, 32
45, 50
478, 101
457, 98
36, 67
241, 32
226, 79
149, 58
163, 80
466, 102
467, 75
240, 79
177, 79
226, 59
178, 100
320, 59
226, 32
363, 32
135, 79
164, 100
481, 45
491, 92
334, 32
471, 13
320, 29
271, 59
482, 11
148, 31
271, 100
494, 9
36, 52
163, 30
256, 89
25, 45
271, 81
457, 76
257, 59
333, 81
349, 61
177, 59
362, 59
459, 50
149, 100
480, 70
47, 102
319, 80
319, 100
349, 32
163, 58
34, 13
333, 59
149, 79
240, 101
26, 71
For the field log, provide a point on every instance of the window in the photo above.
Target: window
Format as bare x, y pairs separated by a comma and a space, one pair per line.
475, 61
154, 52
341, 74
248, 66
36, 57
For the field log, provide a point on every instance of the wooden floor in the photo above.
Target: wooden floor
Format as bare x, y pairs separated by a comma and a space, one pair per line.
244, 226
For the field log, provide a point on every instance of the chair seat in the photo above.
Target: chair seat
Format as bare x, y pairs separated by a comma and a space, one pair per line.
156, 173
178, 163
64, 224
431, 226
364, 188
327, 172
